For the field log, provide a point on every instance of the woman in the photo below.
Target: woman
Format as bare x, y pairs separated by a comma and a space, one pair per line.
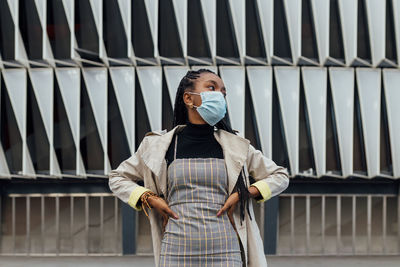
194, 177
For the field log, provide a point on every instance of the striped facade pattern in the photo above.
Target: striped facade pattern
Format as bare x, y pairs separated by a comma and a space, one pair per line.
315, 83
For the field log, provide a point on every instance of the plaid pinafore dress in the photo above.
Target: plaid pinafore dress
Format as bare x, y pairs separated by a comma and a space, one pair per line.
198, 188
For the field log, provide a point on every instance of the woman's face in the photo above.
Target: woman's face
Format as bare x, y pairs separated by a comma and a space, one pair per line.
206, 82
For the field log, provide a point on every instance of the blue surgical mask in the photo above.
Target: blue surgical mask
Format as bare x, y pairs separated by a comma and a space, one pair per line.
213, 106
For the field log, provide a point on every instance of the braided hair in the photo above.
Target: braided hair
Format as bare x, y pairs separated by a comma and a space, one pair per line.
181, 117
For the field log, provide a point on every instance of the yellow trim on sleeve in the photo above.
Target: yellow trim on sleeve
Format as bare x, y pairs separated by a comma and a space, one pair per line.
135, 196
264, 189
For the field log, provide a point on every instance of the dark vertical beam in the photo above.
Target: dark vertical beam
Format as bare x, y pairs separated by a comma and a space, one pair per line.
129, 233
271, 211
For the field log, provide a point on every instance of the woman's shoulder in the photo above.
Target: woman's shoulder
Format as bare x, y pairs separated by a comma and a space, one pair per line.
156, 132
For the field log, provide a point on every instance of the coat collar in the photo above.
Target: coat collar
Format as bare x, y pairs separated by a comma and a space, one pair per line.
234, 147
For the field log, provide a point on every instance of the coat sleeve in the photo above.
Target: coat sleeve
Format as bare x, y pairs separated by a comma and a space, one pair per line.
271, 179
123, 180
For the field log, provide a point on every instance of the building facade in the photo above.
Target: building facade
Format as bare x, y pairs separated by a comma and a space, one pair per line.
314, 84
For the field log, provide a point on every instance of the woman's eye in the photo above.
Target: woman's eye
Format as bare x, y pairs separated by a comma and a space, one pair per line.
212, 86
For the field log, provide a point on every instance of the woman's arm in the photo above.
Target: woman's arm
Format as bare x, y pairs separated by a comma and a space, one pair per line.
123, 180
271, 179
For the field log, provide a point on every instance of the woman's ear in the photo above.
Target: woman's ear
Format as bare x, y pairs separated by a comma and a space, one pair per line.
187, 99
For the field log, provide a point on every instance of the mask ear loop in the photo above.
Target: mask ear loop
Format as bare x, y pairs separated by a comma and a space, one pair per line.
193, 106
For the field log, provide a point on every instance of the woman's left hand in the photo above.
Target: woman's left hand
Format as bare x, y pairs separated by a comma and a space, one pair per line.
229, 206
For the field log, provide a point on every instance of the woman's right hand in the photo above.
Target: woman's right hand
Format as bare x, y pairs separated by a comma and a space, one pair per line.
162, 207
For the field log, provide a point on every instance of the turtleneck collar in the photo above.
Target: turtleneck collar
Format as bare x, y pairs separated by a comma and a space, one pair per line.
198, 130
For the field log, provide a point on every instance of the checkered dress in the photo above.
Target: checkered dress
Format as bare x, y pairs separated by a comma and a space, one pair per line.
197, 190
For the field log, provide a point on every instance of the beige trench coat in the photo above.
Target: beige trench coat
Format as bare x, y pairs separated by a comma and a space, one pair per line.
148, 164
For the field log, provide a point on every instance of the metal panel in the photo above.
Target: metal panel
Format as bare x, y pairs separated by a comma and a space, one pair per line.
209, 9
180, 8
314, 80
43, 82
288, 87
69, 6
97, 10
376, 11
348, 16
396, 22
391, 82
69, 81
173, 76
16, 84
293, 16
238, 9
125, 9
150, 79
234, 80
369, 91
260, 83
342, 89
4, 170
123, 80
96, 85
320, 9
152, 15
265, 9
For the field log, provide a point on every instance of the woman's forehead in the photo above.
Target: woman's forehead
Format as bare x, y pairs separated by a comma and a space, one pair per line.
211, 77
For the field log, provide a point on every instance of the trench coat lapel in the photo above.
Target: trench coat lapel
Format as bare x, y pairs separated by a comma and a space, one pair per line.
234, 147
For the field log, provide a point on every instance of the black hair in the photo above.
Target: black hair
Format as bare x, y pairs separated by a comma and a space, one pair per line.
181, 117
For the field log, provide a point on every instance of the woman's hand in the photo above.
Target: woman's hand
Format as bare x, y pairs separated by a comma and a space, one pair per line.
230, 205
162, 207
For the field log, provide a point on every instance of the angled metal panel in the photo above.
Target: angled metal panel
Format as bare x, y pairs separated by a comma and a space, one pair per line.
315, 91
16, 84
209, 9
391, 80
123, 80
69, 81
43, 83
369, 91
13, 7
4, 170
41, 7
125, 9
234, 80
320, 9
266, 13
152, 15
96, 85
173, 76
293, 16
238, 9
150, 79
376, 14
348, 17
260, 84
342, 89
180, 8
288, 87
69, 6
396, 21
97, 10
20, 52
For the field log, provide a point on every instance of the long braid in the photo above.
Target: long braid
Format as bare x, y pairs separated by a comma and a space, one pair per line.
181, 117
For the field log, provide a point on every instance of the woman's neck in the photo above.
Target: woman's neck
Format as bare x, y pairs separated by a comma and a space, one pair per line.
200, 130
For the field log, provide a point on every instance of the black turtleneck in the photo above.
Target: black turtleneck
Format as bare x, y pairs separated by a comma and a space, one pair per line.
195, 141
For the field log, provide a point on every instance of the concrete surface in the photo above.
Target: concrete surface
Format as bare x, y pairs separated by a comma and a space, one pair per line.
147, 261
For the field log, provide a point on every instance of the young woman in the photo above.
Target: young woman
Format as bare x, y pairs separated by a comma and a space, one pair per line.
194, 176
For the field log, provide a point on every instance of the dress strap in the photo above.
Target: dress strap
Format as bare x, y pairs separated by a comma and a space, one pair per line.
176, 141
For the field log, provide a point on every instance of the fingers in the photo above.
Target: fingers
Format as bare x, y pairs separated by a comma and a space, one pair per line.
170, 213
222, 210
